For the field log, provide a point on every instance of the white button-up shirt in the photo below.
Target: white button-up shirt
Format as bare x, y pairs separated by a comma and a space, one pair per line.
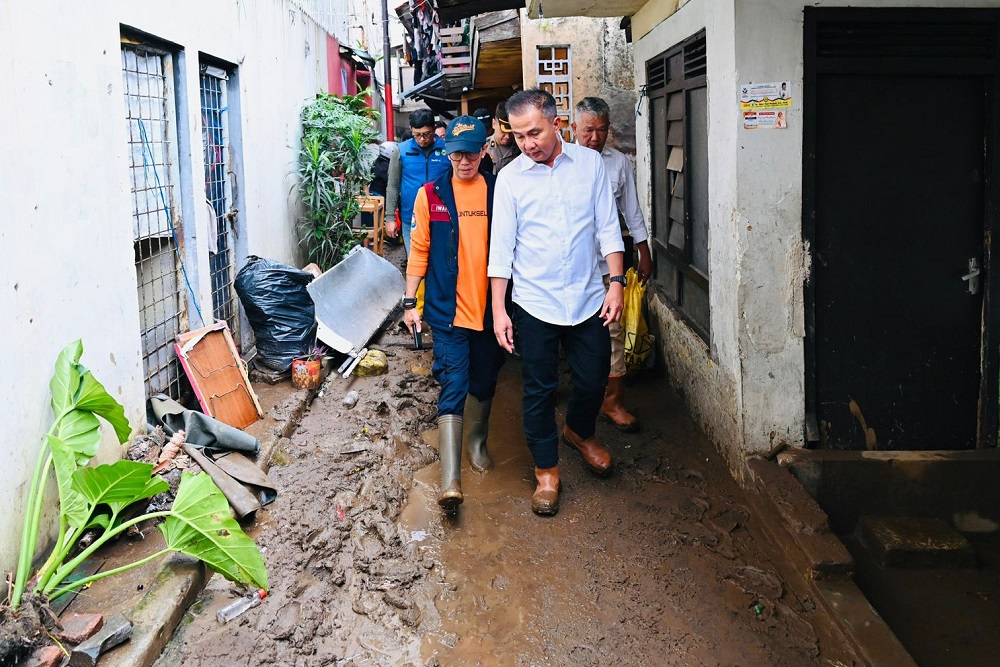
546, 224
626, 196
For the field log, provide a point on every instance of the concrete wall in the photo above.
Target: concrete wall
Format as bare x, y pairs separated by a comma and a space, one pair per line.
746, 387
66, 252
601, 65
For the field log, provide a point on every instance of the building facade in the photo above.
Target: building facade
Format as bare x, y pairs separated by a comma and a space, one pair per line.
580, 56
800, 199
147, 156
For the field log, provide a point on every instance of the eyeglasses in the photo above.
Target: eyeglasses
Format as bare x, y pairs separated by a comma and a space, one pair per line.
423, 135
458, 156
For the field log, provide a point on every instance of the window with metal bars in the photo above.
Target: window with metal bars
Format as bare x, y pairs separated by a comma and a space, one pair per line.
151, 117
219, 193
554, 72
678, 104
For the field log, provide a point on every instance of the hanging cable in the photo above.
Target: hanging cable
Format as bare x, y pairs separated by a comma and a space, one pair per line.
170, 218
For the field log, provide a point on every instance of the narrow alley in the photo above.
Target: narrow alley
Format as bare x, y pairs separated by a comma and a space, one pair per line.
662, 564
228, 190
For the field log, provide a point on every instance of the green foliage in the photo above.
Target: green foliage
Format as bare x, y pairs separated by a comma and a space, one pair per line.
199, 524
339, 139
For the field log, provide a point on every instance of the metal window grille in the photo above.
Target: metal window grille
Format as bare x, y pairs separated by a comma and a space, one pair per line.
156, 232
219, 195
555, 75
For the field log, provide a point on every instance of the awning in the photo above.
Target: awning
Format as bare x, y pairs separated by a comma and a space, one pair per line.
456, 10
359, 56
424, 86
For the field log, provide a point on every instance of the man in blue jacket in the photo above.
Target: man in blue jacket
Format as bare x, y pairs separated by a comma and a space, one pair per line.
449, 251
416, 161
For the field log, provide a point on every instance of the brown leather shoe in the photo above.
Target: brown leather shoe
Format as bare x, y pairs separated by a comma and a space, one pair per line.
613, 408
595, 455
545, 501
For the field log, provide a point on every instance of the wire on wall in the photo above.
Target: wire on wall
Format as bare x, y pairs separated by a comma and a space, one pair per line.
170, 217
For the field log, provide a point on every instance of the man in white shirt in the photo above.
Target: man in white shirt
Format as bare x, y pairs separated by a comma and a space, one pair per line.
593, 120
550, 205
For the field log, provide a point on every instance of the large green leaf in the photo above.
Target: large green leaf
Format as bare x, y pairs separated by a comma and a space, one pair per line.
72, 505
80, 431
102, 521
66, 379
77, 399
200, 525
94, 398
117, 485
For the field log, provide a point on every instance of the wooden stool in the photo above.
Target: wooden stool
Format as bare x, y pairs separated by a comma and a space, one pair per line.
376, 206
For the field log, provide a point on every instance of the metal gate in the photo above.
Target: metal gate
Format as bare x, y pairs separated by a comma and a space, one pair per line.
219, 195
158, 243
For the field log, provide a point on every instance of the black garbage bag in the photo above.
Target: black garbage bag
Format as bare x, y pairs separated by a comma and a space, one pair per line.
279, 309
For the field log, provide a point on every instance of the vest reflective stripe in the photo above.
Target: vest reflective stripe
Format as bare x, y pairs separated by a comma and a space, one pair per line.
442, 261
417, 169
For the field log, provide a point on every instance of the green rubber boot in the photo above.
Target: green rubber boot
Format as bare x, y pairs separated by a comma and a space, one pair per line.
450, 450
477, 417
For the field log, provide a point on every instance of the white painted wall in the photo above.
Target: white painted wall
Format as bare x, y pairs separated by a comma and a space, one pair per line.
66, 258
746, 388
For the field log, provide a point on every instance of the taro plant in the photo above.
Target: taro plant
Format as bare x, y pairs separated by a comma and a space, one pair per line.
339, 139
198, 524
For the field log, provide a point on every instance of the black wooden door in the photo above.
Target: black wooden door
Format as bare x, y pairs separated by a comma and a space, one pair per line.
899, 190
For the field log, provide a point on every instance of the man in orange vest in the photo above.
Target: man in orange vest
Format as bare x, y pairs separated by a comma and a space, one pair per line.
449, 248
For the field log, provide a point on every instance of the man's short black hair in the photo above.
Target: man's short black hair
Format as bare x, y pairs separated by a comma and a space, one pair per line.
533, 98
440, 123
501, 112
422, 118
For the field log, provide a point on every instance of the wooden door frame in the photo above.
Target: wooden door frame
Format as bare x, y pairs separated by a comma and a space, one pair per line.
989, 69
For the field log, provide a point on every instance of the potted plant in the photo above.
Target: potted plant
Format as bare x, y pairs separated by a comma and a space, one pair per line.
339, 139
306, 368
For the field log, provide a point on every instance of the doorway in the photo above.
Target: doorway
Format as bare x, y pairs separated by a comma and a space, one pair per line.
898, 203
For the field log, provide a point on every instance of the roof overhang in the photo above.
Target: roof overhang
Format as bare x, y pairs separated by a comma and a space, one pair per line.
553, 8
360, 57
456, 10
443, 86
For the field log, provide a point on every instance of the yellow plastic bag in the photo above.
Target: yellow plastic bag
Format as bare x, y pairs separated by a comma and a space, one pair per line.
638, 340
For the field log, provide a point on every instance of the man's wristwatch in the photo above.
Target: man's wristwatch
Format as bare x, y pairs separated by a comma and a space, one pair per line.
618, 279
409, 302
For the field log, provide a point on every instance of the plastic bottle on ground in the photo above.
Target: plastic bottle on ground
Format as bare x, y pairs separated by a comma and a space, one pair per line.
239, 606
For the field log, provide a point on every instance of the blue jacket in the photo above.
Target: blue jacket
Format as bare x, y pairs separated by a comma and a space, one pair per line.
441, 280
416, 169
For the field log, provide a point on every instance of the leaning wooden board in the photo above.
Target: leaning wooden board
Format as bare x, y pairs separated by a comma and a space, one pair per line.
218, 375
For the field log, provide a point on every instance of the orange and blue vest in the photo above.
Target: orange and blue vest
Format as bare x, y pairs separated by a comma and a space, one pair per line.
441, 280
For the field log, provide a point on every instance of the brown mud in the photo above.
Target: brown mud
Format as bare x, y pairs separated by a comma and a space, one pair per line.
661, 564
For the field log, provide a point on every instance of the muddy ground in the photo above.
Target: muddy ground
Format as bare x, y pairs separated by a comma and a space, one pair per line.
662, 564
